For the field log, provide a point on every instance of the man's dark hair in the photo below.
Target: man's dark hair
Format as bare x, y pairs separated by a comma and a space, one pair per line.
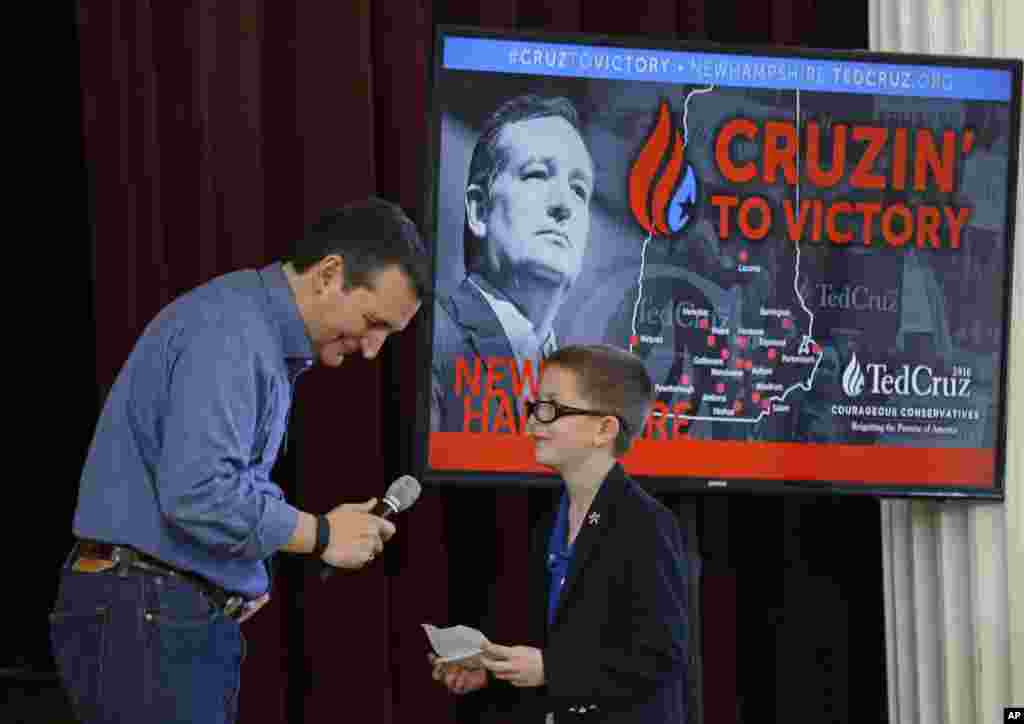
370, 235
614, 380
489, 159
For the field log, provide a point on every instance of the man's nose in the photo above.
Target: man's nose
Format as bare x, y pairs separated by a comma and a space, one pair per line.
558, 204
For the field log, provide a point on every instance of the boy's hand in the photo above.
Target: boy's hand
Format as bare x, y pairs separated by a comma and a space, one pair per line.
518, 665
457, 678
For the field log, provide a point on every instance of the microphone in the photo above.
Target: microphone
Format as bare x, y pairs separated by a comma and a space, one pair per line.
400, 496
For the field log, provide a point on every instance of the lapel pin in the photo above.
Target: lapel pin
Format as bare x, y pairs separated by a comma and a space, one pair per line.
593, 518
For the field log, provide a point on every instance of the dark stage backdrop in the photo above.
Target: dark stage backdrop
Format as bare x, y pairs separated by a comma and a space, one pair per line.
211, 133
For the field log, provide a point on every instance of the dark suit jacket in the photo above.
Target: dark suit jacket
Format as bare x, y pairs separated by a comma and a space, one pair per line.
465, 326
617, 649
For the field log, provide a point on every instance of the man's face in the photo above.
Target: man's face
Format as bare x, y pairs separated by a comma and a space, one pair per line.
360, 319
539, 216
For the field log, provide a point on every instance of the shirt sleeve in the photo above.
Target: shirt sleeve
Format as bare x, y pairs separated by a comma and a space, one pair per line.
206, 483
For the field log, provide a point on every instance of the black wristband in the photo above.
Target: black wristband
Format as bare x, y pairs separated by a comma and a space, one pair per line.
323, 535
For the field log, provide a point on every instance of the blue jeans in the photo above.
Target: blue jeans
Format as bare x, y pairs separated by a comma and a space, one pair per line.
132, 647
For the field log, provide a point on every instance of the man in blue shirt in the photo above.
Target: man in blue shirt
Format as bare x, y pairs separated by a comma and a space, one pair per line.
177, 513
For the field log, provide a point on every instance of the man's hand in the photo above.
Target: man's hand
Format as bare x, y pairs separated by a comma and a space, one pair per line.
518, 665
251, 607
356, 536
458, 678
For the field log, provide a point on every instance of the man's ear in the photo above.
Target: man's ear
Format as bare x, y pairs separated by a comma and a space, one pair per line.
608, 431
476, 210
330, 273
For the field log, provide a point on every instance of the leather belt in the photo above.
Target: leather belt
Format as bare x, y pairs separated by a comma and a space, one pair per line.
95, 556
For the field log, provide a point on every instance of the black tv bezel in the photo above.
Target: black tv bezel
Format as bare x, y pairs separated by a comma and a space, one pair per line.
705, 485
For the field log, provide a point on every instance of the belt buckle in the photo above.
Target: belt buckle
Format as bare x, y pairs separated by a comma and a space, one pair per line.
233, 605
91, 565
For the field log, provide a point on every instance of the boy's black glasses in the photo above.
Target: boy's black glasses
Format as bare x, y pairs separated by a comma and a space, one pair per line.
548, 411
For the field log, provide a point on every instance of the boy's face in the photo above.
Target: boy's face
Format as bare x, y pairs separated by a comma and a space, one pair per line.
570, 439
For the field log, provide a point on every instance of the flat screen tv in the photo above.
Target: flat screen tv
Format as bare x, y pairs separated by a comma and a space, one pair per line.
810, 250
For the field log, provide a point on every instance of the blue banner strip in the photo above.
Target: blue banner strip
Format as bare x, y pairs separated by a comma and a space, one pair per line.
742, 71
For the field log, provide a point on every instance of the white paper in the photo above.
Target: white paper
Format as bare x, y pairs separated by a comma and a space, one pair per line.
455, 643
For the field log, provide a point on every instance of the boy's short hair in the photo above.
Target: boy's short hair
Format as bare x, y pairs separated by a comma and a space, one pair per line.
614, 380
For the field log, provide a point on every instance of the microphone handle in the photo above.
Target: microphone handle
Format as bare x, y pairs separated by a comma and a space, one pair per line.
383, 509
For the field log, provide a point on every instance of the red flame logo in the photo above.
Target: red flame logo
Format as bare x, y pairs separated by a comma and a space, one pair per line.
659, 202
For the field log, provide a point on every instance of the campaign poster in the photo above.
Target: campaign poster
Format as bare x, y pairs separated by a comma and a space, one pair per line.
809, 252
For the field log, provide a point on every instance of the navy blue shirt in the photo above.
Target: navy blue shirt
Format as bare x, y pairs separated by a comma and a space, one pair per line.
560, 552
179, 465
559, 555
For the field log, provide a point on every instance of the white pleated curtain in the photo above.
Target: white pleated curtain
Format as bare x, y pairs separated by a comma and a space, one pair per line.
954, 571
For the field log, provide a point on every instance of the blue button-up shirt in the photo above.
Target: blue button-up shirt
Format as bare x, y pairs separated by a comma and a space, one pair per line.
179, 465
559, 555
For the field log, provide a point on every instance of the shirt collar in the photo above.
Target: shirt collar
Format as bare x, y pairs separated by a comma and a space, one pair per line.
520, 331
295, 342
559, 542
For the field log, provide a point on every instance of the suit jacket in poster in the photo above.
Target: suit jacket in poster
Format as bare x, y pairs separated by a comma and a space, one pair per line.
466, 327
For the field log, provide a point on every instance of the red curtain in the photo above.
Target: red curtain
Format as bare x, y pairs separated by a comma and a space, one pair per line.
213, 131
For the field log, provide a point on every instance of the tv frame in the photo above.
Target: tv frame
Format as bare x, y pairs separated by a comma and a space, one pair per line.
703, 484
